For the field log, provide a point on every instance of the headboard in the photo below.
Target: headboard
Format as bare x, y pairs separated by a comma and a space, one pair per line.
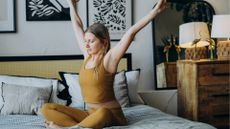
49, 66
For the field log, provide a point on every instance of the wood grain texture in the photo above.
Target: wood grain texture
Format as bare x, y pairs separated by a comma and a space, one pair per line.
203, 91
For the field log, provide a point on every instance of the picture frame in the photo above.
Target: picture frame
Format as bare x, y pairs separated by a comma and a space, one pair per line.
7, 16
47, 10
116, 15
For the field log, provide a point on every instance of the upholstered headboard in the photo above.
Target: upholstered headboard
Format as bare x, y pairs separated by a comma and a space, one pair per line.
49, 66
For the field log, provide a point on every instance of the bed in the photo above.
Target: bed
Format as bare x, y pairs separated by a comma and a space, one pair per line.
24, 76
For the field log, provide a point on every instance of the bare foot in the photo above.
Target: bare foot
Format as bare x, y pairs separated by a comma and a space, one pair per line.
51, 125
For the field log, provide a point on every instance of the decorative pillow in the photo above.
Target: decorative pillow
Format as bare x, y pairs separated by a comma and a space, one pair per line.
18, 99
132, 82
57, 98
72, 80
64, 94
34, 82
121, 89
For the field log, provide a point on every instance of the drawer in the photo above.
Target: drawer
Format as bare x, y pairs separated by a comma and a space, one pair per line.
213, 74
217, 115
214, 94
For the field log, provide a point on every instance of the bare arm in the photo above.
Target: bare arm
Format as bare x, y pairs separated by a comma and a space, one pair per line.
116, 53
77, 26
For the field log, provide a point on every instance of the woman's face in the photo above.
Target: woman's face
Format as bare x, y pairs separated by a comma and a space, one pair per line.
93, 44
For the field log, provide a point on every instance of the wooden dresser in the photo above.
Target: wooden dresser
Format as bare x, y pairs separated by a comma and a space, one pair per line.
166, 75
203, 91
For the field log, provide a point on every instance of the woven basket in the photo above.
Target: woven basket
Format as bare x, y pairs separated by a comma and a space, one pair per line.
201, 53
223, 50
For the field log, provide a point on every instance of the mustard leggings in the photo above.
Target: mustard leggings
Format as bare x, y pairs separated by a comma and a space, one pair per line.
93, 118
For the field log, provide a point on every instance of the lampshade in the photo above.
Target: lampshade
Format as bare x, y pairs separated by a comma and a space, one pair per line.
221, 26
221, 29
188, 32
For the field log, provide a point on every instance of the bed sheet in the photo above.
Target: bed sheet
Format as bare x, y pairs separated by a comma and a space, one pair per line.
139, 117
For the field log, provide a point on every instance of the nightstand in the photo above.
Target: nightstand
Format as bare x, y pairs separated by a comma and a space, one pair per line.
166, 75
203, 91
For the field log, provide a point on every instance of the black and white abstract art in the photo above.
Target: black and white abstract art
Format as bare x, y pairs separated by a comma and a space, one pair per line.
116, 15
47, 10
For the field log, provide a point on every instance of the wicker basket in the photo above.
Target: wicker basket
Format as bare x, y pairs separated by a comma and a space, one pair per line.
201, 53
223, 50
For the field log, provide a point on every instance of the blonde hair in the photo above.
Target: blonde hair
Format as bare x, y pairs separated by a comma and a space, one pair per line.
102, 33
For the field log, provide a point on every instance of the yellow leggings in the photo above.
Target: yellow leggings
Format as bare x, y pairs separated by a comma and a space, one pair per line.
93, 118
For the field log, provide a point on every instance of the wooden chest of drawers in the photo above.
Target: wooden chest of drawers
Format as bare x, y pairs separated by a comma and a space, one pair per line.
203, 91
166, 75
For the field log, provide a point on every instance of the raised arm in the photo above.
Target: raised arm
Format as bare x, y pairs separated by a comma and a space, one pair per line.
77, 25
116, 53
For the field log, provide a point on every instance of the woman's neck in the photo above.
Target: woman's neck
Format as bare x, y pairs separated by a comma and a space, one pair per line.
94, 57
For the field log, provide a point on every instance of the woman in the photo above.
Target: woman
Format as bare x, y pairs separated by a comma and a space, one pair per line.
100, 66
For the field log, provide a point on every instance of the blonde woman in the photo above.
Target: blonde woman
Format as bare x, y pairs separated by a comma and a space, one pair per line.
96, 75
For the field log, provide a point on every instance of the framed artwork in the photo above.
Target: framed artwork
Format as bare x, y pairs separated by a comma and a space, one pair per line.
116, 15
7, 16
47, 10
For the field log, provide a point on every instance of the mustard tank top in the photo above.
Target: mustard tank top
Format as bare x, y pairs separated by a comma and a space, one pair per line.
96, 88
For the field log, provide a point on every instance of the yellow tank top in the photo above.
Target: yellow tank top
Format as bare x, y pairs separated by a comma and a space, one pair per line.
96, 88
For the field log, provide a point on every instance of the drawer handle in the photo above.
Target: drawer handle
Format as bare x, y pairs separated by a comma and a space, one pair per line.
220, 95
215, 72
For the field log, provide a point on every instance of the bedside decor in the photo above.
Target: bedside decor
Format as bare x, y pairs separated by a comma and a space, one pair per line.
221, 29
193, 35
178, 12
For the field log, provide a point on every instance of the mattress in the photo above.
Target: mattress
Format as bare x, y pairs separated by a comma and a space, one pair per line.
138, 116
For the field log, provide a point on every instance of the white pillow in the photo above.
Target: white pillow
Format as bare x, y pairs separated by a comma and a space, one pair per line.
132, 82
72, 80
34, 82
121, 89
18, 99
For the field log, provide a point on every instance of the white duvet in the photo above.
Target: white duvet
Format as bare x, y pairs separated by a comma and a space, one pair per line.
139, 117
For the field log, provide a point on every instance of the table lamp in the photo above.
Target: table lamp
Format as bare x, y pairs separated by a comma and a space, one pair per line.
193, 36
221, 30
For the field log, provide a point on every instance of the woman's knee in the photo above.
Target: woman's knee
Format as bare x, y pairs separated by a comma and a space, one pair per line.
47, 106
104, 112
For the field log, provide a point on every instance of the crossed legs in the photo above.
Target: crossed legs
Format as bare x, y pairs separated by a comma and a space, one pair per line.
64, 116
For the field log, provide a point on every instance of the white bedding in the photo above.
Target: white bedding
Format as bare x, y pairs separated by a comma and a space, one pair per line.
139, 117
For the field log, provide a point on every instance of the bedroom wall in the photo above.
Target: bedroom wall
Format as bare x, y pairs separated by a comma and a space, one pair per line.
57, 37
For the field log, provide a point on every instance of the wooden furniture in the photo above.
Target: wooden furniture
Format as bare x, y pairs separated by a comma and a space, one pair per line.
166, 75
203, 91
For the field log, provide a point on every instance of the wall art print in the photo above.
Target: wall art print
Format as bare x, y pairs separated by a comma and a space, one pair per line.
47, 10
7, 16
116, 15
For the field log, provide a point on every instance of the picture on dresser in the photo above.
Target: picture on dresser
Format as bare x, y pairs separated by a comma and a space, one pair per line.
47, 10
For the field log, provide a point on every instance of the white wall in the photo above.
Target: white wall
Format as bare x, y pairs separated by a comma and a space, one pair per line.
57, 37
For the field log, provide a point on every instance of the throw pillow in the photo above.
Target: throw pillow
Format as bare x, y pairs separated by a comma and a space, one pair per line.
133, 82
17, 99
